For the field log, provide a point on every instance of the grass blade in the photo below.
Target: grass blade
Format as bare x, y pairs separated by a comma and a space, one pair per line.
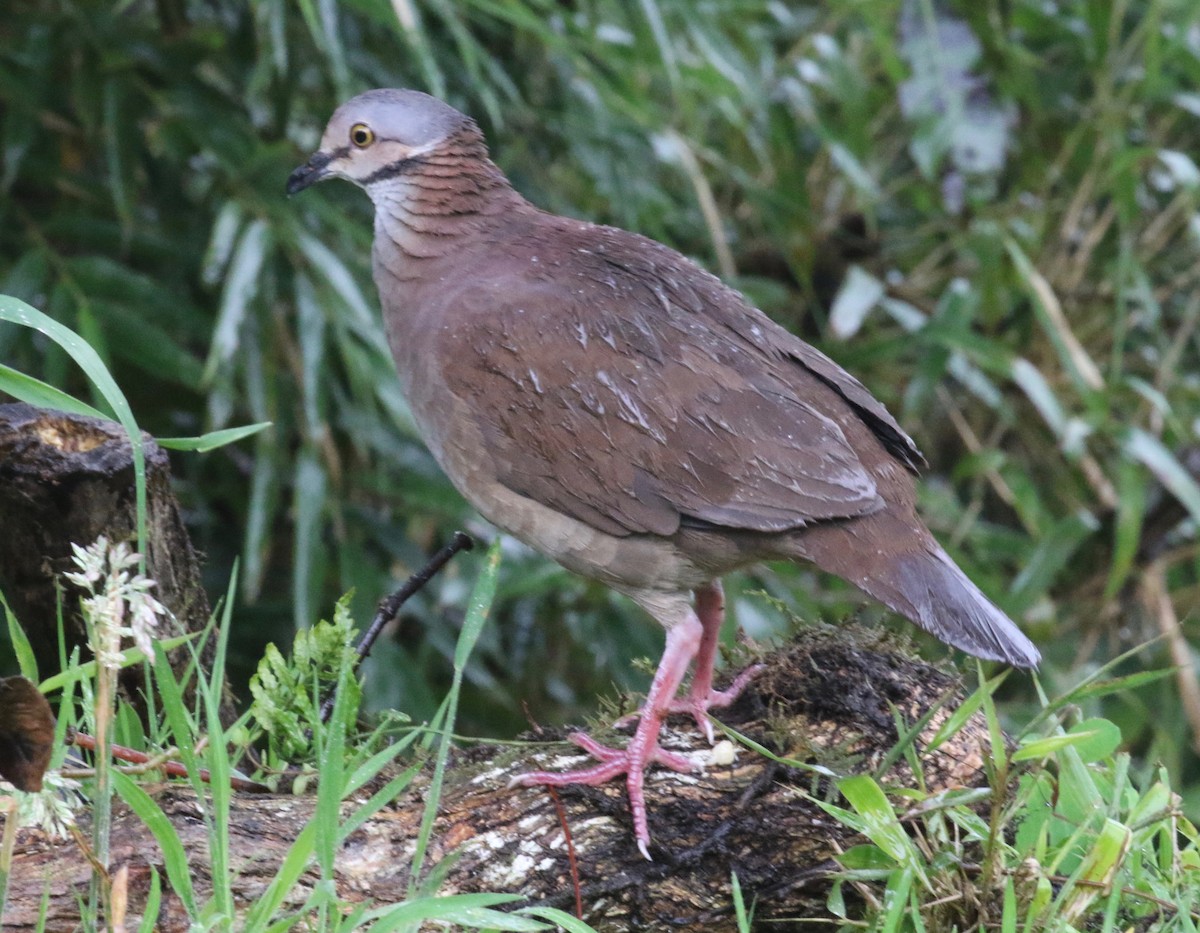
175, 858
478, 608
18, 312
35, 392
213, 439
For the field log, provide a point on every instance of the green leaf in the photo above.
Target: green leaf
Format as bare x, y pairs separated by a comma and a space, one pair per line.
559, 918
970, 706
836, 902
1155, 803
1092, 740
1103, 738
26, 659
220, 793
1129, 682
213, 439
1071, 353
1098, 870
1079, 798
739, 904
74, 673
363, 320
1035, 387
1008, 919
478, 608
18, 312
385, 795
175, 859
241, 285
287, 875
221, 242
153, 903
467, 909
895, 898
35, 392
866, 858
330, 744
1149, 450
879, 820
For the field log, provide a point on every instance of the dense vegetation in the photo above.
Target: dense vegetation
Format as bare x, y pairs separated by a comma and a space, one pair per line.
988, 212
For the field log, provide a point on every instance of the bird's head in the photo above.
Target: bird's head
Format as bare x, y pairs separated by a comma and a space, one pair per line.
377, 136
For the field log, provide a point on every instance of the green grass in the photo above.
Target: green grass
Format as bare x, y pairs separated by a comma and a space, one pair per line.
192, 733
1070, 837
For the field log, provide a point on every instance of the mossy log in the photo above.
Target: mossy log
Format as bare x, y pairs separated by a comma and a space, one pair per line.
826, 698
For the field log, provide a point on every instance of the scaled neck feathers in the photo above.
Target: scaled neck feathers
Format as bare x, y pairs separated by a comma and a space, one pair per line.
453, 191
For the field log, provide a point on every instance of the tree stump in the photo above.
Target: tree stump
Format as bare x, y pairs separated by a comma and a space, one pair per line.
67, 479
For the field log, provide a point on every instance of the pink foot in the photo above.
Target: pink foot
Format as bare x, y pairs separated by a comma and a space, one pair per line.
698, 703
675, 762
690, 634
613, 762
699, 706
710, 612
683, 639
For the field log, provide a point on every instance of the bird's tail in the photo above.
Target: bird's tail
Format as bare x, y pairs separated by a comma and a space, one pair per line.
941, 599
917, 579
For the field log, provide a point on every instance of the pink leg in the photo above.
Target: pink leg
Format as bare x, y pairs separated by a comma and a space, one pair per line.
710, 609
683, 640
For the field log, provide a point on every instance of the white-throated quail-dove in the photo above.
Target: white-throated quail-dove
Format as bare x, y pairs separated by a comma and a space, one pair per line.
614, 406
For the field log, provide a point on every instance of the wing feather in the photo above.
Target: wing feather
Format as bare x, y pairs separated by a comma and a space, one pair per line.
650, 394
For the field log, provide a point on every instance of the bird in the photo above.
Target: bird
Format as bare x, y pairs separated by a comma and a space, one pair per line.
611, 404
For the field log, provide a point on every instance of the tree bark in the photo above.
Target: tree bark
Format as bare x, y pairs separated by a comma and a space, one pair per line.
828, 698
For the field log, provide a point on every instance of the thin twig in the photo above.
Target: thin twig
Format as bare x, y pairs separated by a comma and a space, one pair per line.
163, 761
461, 541
571, 861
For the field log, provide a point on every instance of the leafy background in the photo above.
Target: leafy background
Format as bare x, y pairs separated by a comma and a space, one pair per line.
987, 211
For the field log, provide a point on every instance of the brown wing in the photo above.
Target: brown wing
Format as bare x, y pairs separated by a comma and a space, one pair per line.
630, 402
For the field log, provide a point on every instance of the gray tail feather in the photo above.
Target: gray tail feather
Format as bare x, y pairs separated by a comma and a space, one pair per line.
940, 598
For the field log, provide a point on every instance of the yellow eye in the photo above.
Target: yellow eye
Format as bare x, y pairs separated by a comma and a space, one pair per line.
361, 135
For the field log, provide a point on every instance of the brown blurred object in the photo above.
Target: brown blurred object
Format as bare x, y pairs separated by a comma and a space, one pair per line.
26, 733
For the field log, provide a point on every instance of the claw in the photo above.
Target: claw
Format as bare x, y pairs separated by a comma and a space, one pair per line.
694, 636
643, 749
